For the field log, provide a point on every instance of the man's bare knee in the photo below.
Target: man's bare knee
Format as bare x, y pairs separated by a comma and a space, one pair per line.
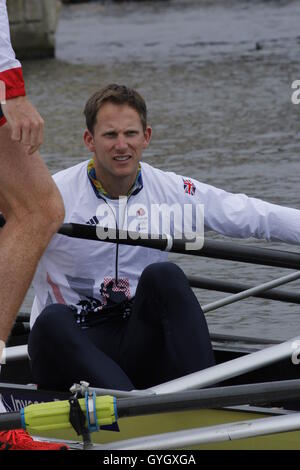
40, 220
48, 215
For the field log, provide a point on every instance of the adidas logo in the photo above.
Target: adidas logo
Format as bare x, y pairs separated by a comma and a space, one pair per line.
93, 221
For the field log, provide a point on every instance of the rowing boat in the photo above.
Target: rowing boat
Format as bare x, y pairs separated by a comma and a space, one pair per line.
187, 415
252, 397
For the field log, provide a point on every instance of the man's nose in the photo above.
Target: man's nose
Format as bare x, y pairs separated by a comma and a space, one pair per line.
121, 143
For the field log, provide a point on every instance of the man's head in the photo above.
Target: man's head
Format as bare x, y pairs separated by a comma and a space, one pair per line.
115, 94
117, 133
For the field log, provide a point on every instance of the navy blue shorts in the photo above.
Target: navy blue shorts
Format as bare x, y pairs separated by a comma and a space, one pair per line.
1, 114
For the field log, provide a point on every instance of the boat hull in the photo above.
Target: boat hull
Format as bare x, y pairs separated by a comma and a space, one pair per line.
140, 426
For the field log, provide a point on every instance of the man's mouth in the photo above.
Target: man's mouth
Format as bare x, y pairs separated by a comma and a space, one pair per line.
122, 158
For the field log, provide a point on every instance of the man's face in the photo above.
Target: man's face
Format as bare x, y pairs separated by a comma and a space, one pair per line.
118, 142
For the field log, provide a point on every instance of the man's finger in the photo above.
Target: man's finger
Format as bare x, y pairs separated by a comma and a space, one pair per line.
25, 133
15, 131
27, 126
37, 136
41, 132
34, 134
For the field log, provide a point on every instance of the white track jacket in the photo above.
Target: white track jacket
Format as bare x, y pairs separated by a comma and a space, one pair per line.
72, 269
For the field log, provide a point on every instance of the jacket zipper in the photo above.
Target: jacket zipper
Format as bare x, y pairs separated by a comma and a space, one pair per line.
117, 242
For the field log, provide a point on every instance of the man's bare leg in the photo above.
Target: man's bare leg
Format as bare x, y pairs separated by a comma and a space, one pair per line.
33, 208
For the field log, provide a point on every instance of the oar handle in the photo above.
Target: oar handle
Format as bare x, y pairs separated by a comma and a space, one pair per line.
163, 242
123, 237
209, 248
197, 246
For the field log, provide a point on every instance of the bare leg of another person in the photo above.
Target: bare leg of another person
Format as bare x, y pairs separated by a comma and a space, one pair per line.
33, 208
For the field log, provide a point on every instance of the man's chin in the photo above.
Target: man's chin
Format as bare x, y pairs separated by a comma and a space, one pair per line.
126, 169
123, 175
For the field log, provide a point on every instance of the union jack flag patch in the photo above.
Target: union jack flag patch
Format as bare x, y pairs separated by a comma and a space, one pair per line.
189, 187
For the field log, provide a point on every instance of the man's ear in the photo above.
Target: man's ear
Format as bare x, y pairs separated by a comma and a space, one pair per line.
88, 139
147, 135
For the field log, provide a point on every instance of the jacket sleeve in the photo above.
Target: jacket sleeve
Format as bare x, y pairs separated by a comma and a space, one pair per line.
236, 215
240, 216
10, 68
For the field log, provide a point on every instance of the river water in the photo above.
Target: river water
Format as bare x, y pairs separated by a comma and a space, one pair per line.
217, 80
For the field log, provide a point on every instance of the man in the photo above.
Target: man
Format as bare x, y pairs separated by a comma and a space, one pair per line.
29, 198
121, 316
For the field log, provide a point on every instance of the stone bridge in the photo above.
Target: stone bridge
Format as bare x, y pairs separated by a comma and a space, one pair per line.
32, 25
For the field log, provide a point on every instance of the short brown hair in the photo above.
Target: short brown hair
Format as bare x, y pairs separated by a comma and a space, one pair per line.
117, 94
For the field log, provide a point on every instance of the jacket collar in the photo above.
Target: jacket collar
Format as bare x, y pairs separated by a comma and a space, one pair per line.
100, 191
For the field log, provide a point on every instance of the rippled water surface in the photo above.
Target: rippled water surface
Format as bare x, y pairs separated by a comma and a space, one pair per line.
217, 79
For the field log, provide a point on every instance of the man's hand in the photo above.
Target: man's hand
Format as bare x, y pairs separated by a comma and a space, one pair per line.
27, 126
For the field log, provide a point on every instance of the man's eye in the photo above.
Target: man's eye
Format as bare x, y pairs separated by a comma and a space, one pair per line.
131, 133
110, 135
